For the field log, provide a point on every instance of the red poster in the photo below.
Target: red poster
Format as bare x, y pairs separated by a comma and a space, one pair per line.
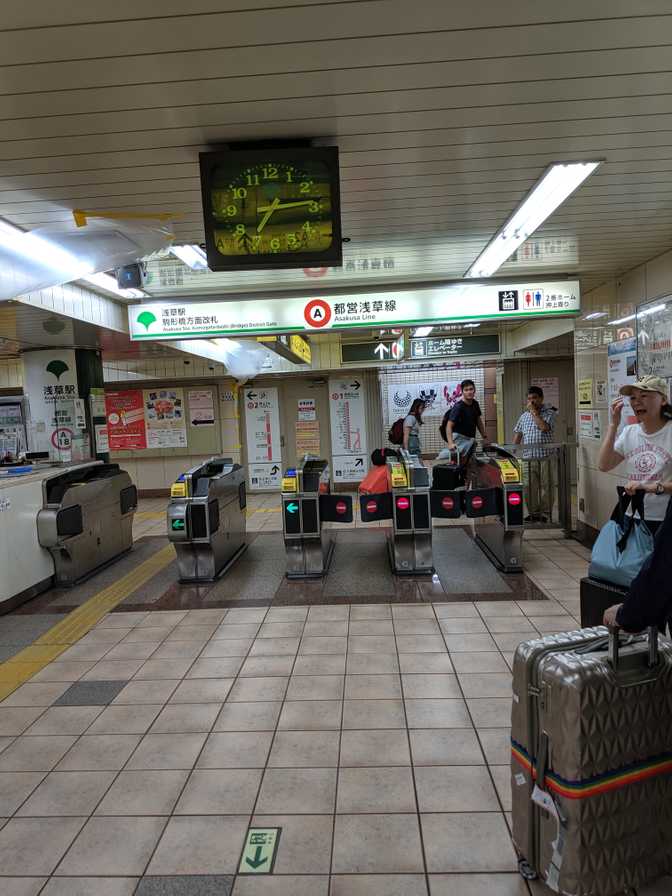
125, 420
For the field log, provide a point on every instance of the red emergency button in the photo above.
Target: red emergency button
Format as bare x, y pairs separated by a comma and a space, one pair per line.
514, 499
477, 502
447, 503
403, 503
341, 507
371, 506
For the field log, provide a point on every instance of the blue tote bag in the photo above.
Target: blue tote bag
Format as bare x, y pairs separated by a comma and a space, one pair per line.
623, 544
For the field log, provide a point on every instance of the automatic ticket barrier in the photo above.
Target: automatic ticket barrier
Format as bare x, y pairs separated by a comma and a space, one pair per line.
306, 504
86, 520
499, 531
206, 519
408, 506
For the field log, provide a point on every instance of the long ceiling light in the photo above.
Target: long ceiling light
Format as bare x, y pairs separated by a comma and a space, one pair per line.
193, 256
557, 183
645, 313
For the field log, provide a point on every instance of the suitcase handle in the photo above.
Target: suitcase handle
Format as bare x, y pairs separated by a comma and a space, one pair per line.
614, 645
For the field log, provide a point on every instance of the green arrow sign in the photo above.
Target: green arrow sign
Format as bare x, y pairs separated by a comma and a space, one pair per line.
261, 846
292, 507
177, 525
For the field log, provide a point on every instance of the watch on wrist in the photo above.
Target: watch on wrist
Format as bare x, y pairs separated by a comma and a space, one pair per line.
660, 488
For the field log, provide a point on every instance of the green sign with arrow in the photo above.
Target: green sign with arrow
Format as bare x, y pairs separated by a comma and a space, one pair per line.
292, 507
261, 846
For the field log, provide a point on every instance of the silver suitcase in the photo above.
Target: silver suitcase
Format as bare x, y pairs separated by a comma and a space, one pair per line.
591, 760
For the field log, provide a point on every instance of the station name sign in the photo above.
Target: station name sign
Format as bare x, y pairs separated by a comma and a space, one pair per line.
174, 319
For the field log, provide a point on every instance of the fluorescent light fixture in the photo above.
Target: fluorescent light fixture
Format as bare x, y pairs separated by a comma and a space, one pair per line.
557, 183
471, 326
595, 315
109, 284
624, 320
41, 252
422, 331
193, 256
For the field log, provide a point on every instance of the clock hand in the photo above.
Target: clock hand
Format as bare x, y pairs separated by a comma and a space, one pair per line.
269, 209
263, 208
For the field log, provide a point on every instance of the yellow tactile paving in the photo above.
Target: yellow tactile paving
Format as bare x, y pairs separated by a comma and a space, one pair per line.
21, 667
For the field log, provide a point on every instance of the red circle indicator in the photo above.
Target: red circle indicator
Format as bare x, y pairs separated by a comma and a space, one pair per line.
315, 272
514, 499
477, 502
317, 313
371, 506
447, 503
403, 503
341, 507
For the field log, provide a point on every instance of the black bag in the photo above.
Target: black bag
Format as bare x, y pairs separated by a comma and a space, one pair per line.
447, 477
442, 427
396, 433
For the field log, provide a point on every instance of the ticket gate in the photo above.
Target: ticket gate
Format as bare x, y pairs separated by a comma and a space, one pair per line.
86, 520
499, 532
307, 503
206, 519
408, 506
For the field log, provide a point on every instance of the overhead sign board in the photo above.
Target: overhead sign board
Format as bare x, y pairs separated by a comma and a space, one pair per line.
441, 304
454, 346
380, 350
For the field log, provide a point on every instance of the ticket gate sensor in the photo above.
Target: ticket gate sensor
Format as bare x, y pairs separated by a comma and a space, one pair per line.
206, 519
496, 506
307, 503
86, 520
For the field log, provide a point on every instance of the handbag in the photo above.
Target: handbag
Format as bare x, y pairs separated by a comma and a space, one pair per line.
624, 543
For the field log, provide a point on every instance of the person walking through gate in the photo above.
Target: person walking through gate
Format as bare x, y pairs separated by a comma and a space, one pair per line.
534, 429
459, 424
412, 424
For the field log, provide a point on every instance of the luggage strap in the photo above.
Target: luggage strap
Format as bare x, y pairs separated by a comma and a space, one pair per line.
615, 779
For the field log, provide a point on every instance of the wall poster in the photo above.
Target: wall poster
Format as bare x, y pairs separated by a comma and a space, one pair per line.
125, 420
348, 428
585, 393
262, 436
307, 438
164, 415
201, 407
654, 338
622, 364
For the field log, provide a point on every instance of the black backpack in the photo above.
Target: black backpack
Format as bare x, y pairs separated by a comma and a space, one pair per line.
396, 433
443, 427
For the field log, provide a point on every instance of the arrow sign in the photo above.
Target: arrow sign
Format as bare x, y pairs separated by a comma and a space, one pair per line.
381, 350
251, 395
261, 846
257, 861
202, 422
275, 469
292, 507
356, 384
359, 462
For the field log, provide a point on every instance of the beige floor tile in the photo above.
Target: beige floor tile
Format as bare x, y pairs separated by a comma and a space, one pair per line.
244, 615
490, 712
163, 669
236, 631
371, 627
177, 650
374, 748
186, 717
287, 614
15, 787
502, 624
372, 687
496, 743
277, 647
113, 670
463, 626
62, 719
262, 716
112, 846
469, 643
373, 714
425, 663
378, 885
311, 715
81, 651
498, 608
501, 775
305, 749
455, 610
165, 751
144, 793
236, 749
467, 842
315, 687
132, 650
216, 667
200, 845
430, 685
437, 714
71, 670
282, 630
374, 663
131, 719
36, 694
220, 792
420, 644
34, 846
479, 662
263, 666
299, 791
228, 647
323, 645
542, 608
283, 885
412, 611
328, 613
66, 886
99, 752
445, 746
370, 611
202, 690
153, 634
326, 628
416, 627
374, 644
247, 690
156, 692
205, 616
478, 885
508, 642
487, 684
552, 624
306, 842
186, 632
463, 788
68, 793
15, 720
396, 839
316, 664
375, 790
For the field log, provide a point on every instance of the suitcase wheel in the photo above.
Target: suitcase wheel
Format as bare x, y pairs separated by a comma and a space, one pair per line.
526, 871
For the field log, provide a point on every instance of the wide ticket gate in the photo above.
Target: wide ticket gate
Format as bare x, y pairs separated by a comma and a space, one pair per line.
86, 520
206, 519
307, 503
493, 499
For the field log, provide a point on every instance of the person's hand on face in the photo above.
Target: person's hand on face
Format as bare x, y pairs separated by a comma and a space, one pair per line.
616, 411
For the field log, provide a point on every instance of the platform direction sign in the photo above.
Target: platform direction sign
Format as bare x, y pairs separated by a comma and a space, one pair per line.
261, 846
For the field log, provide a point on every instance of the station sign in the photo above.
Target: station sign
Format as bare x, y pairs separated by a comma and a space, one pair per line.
165, 320
454, 346
379, 351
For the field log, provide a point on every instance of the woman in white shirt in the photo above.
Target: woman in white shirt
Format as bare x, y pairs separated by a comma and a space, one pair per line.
646, 446
412, 424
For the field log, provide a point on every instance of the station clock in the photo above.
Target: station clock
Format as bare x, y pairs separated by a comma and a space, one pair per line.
271, 208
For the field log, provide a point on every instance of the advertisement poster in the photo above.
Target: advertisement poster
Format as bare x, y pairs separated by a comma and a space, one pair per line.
201, 407
589, 425
125, 420
439, 395
102, 440
601, 390
622, 364
350, 468
585, 393
164, 414
654, 328
307, 438
306, 409
550, 386
262, 436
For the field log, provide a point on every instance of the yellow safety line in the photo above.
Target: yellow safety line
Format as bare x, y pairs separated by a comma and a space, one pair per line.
31, 660
150, 515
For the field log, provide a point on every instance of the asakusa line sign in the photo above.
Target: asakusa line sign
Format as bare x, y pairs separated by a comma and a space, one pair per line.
455, 302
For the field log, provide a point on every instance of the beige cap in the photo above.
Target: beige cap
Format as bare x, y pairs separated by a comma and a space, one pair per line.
648, 383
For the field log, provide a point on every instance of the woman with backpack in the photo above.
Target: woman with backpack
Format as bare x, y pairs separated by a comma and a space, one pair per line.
412, 424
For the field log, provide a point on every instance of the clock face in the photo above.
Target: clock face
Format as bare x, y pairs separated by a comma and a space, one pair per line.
271, 207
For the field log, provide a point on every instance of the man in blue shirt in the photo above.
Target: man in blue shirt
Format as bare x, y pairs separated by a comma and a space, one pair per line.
535, 429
